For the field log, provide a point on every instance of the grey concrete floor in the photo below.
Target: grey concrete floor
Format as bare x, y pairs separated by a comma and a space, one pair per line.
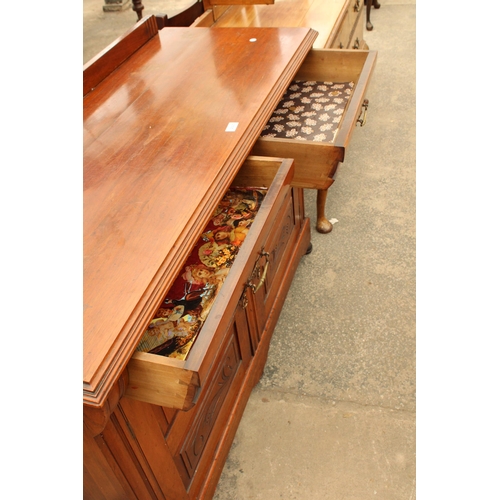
334, 414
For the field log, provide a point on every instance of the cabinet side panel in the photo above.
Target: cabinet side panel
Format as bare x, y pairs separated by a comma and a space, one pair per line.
102, 480
148, 430
120, 438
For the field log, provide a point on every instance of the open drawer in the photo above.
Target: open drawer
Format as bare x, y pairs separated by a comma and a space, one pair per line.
232, 331
317, 155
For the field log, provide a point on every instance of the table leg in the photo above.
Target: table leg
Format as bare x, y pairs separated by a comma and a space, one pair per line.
369, 4
323, 225
138, 7
369, 25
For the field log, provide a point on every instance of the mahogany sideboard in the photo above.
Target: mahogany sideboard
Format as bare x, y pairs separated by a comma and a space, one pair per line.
170, 118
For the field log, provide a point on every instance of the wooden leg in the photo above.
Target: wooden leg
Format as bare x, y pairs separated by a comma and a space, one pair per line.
138, 8
369, 25
323, 225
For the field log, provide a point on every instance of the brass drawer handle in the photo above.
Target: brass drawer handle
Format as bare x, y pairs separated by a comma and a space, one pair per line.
255, 274
356, 44
362, 121
356, 6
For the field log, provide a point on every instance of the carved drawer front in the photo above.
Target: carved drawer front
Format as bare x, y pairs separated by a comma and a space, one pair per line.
199, 431
308, 125
179, 383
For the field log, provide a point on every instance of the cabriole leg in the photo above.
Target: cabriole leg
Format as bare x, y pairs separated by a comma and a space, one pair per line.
369, 4
369, 25
323, 225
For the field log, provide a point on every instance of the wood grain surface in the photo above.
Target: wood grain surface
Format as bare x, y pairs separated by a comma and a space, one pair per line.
321, 15
157, 158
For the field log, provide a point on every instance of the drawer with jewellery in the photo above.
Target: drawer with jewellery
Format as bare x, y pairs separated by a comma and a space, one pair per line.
235, 270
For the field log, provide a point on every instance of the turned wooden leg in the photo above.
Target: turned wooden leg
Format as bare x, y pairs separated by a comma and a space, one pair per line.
138, 8
323, 225
369, 25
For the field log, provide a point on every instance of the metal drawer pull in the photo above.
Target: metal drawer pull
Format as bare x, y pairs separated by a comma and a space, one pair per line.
356, 6
360, 120
256, 273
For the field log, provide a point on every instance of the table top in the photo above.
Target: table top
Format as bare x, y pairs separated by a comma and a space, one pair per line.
164, 135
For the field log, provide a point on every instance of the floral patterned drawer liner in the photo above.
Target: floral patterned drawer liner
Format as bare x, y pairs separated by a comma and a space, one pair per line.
309, 111
183, 311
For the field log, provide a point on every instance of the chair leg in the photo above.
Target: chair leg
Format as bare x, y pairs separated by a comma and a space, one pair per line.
323, 225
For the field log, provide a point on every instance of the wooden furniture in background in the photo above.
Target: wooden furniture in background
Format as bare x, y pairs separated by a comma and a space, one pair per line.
115, 54
137, 7
369, 4
336, 21
339, 24
184, 18
170, 118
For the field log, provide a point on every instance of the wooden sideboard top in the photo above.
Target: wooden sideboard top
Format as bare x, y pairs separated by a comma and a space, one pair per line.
158, 156
320, 15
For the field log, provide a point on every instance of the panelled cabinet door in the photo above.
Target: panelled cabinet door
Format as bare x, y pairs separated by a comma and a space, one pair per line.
272, 262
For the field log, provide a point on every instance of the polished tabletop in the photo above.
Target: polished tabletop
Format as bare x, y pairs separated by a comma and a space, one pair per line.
164, 135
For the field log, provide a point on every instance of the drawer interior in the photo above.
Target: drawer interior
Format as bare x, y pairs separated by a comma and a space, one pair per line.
313, 106
310, 110
205, 293
316, 140
178, 320
332, 65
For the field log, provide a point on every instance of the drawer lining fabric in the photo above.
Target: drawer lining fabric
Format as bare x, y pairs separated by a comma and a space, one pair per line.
187, 304
309, 111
